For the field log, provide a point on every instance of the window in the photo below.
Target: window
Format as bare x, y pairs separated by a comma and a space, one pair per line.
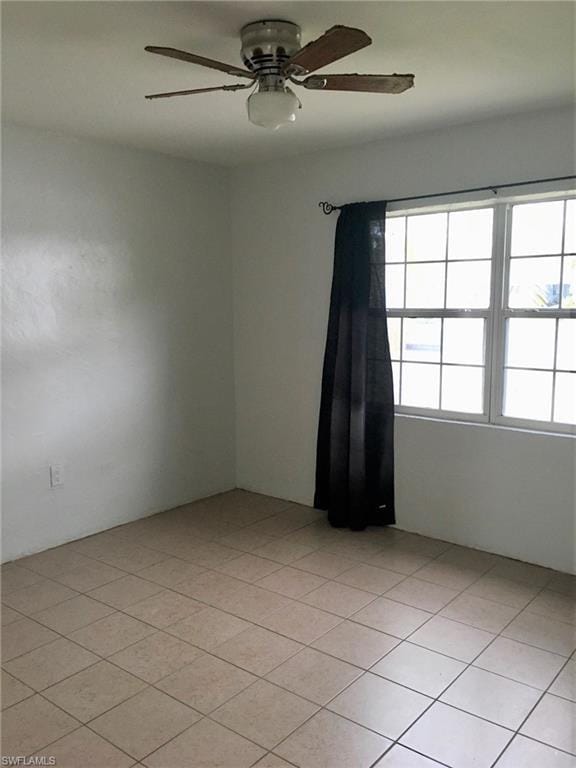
481, 304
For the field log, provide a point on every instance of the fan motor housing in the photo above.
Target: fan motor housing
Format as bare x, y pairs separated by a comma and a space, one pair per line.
268, 44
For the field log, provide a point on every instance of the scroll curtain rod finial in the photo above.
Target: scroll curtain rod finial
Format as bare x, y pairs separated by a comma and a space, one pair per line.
327, 208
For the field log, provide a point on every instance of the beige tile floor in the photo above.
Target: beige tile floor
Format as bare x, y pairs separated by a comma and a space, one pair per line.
243, 631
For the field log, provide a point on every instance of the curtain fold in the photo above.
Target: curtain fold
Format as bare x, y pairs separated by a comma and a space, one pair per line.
355, 451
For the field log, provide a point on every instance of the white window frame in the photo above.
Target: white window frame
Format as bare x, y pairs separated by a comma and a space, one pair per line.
495, 314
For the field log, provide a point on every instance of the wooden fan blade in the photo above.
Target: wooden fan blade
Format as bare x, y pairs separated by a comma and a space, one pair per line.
334, 44
192, 58
197, 90
361, 83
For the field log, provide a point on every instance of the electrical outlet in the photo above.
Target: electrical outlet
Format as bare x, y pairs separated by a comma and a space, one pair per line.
56, 475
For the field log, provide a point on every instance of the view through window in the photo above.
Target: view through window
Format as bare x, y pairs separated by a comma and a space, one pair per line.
481, 306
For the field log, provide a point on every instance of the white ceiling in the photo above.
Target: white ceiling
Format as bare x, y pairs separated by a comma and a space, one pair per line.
80, 67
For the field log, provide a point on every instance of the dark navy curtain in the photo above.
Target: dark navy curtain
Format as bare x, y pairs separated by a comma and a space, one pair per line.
355, 452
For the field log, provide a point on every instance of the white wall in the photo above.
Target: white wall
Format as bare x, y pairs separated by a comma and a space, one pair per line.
117, 336
507, 491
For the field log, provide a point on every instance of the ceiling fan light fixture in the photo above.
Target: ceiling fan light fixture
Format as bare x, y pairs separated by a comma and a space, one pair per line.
272, 108
272, 54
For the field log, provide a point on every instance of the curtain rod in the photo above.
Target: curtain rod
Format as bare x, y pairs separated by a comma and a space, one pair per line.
327, 208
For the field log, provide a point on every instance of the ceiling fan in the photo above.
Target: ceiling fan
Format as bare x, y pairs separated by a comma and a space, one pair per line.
273, 56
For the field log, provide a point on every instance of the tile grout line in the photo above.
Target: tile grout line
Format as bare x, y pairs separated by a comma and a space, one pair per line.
470, 664
250, 621
215, 539
253, 622
109, 531
283, 564
433, 699
152, 685
262, 678
523, 722
543, 693
414, 574
325, 707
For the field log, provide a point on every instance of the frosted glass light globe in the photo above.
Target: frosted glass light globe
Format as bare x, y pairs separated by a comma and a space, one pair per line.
271, 109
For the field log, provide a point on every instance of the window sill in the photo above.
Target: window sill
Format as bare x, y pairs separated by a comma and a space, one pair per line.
486, 425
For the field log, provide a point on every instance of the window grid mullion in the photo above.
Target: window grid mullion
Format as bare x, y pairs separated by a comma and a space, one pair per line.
557, 321
441, 370
451, 365
555, 364
456, 261
433, 313
561, 286
520, 256
495, 318
401, 365
401, 356
495, 325
536, 368
540, 313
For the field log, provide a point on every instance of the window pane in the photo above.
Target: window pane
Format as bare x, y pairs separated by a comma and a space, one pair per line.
534, 283
421, 339
530, 343
569, 283
462, 389
425, 285
463, 341
470, 234
537, 228
396, 379
395, 238
528, 394
420, 385
468, 285
565, 398
394, 287
427, 237
394, 330
570, 234
566, 354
